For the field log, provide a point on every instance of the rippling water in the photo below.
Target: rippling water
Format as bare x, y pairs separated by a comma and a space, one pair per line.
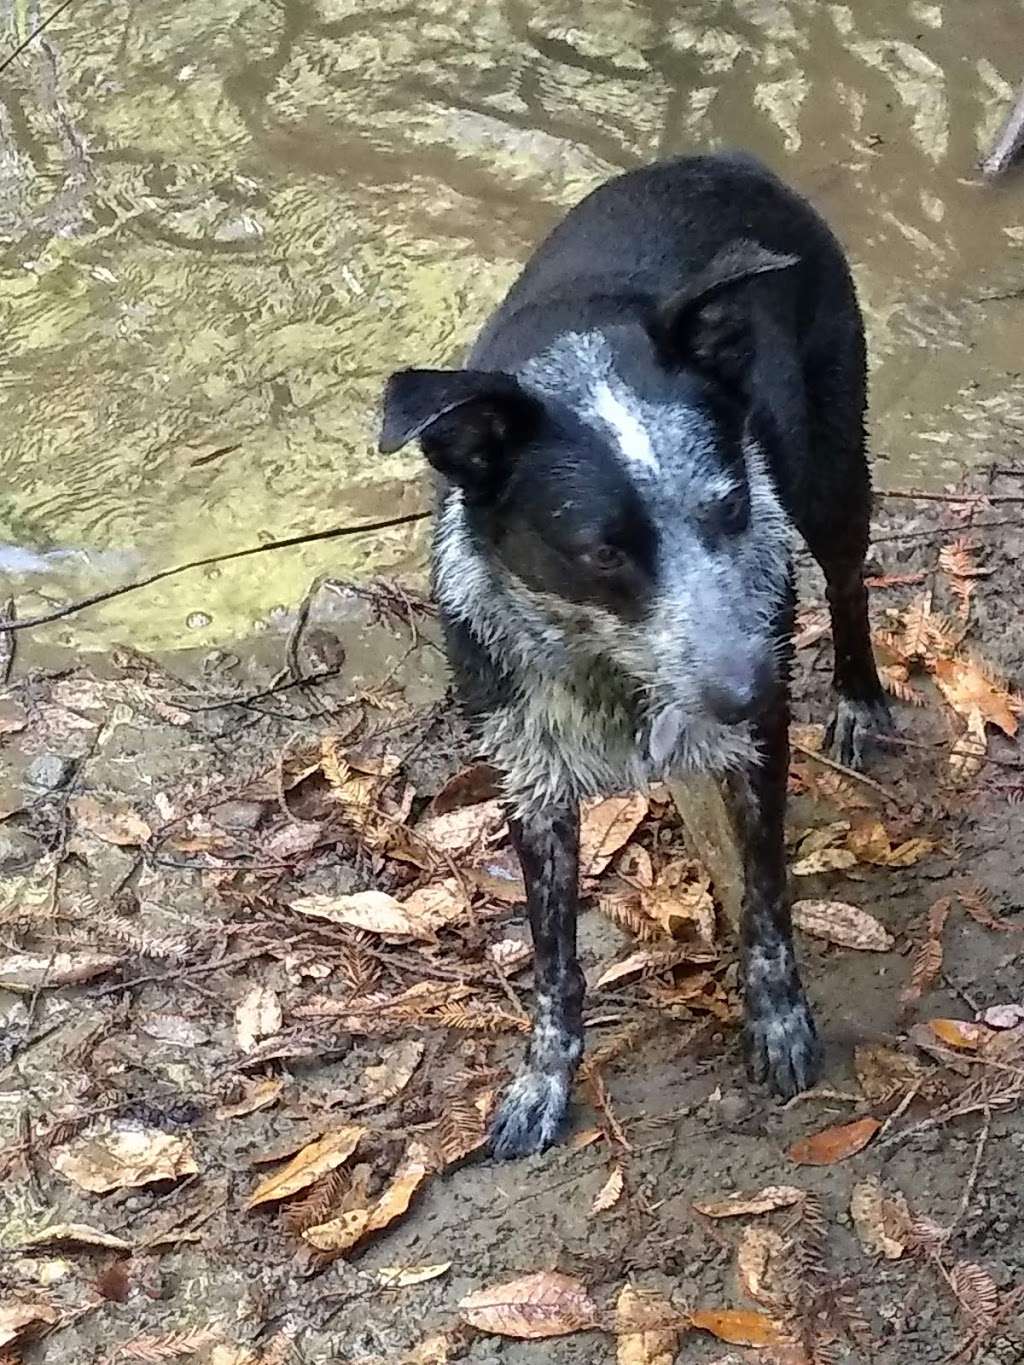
223, 223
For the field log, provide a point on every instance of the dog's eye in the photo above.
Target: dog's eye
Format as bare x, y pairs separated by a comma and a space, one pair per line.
605, 558
733, 513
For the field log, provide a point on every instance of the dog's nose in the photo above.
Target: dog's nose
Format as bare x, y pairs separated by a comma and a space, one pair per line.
735, 696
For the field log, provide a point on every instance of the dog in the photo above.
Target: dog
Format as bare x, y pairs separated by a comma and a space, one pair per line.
673, 387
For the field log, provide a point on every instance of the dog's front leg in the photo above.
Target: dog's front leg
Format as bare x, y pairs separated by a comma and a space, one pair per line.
533, 1107
781, 1041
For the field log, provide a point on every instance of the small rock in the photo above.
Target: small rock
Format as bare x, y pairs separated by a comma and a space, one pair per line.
18, 849
49, 772
733, 1108
237, 814
198, 620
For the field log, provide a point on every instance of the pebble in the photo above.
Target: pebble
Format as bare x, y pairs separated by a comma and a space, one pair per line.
196, 620
18, 849
49, 772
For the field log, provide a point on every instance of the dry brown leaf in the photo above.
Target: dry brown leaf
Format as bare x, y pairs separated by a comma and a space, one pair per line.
374, 911
870, 842
257, 1015
835, 1143
846, 925
463, 1127
72, 1235
928, 958
966, 689
824, 860
647, 1326
610, 1192
737, 1326
439, 904
123, 1156
976, 1293
150, 1349
112, 822
882, 1221
403, 1277
545, 1304
760, 1253
760, 1201
672, 907
1003, 1016
510, 954
499, 876
605, 827
341, 1234
315, 1160
908, 853
883, 1071
24, 1317
968, 750
479, 782
459, 832
291, 840
25, 973
811, 625
386, 1080
957, 560
258, 1096
433, 1350
959, 1033
652, 960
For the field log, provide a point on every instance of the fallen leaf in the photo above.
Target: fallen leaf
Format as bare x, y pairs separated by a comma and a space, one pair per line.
760, 1252
825, 860
25, 973
737, 1326
313, 1161
340, 1234
386, 1080
510, 954
13, 717
123, 1157
761, 1201
439, 904
647, 1327
811, 626
605, 827
910, 852
968, 750
881, 1221
870, 841
258, 1096
431, 1351
674, 906
610, 1192
1003, 1016
966, 689
72, 1235
883, 1071
500, 876
403, 1277
458, 832
112, 822
545, 1304
960, 1033
842, 924
257, 1015
652, 960
174, 1029
479, 782
928, 958
24, 1317
374, 911
834, 1144
292, 839
585, 1139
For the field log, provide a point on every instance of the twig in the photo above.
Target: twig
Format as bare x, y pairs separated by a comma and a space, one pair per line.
7, 642
1008, 143
307, 539
178, 974
291, 649
846, 772
972, 1179
961, 498
308, 679
27, 42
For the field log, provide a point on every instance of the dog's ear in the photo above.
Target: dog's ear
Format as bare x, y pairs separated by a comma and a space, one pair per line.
707, 323
470, 423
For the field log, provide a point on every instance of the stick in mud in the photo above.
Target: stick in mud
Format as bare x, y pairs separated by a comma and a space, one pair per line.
1009, 143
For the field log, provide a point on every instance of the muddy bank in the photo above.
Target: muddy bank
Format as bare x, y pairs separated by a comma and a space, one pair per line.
241, 1103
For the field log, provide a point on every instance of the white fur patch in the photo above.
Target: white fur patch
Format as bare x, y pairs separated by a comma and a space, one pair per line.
630, 433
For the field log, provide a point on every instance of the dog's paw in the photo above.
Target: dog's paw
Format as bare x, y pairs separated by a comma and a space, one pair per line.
531, 1113
854, 728
782, 1048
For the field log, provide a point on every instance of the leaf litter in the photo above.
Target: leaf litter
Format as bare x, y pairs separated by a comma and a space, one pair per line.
371, 922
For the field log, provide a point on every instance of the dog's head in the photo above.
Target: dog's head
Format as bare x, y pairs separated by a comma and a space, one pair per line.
614, 482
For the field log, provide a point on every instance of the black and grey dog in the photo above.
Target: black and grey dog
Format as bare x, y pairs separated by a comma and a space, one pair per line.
674, 383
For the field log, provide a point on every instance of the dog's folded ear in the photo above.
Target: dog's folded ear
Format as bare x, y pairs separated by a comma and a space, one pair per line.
469, 423
708, 322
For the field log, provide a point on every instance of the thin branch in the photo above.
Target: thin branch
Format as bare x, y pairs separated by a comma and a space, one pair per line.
7, 642
851, 773
1008, 143
307, 539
